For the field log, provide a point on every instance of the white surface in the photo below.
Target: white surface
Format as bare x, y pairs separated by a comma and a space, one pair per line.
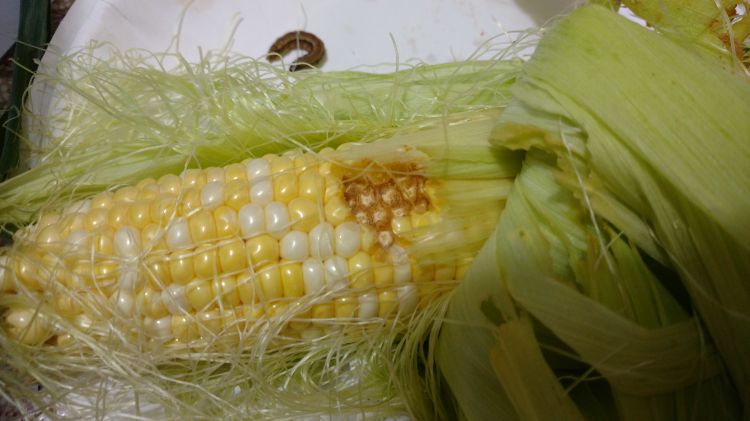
356, 32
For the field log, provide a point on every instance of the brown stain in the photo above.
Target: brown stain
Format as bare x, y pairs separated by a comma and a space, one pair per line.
298, 40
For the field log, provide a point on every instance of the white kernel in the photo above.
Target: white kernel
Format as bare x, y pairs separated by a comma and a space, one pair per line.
401, 273
261, 192
174, 299
252, 220
368, 306
129, 277
212, 194
336, 270
160, 328
127, 242
294, 246
124, 302
277, 219
258, 169
313, 274
408, 298
178, 235
77, 242
322, 241
347, 239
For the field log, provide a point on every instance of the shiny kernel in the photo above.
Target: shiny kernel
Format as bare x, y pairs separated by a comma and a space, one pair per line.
102, 243
205, 263
200, 294
270, 283
292, 280
170, 184
369, 239
262, 250
26, 325
212, 195
304, 214
126, 194
360, 271
149, 303
184, 329
164, 208
248, 289
178, 234
209, 324
49, 238
382, 274
191, 201
235, 172
333, 186
226, 291
96, 218
305, 161
346, 307
337, 211
139, 214
387, 303
281, 165
323, 311
181, 267
226, 222
118, 216
237, 194
103, 200
233, 256
28, 273
276, 309
311, 185
202, 227
214, 174
285, 187
154, 238
193, 178
401, 225
156, 271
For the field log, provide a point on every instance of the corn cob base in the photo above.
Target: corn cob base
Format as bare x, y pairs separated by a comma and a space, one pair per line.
302, 243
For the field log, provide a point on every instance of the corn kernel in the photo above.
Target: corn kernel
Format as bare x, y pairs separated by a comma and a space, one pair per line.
193, 178
214, 174
153, 237
184, 329
117, 216
205, 263
292, 280
232, 256
96, 219
360, 271
237, 194
225, 219
304, 214
190, 201
202, 227
387, 303
164, 208
103, 200
139, 214
346, 307
235, 172
126, 194
248, 288
311, 185
263, 250
181, 267
337, 211
270, 283
323, 311
199, 294
226, 291
170, 184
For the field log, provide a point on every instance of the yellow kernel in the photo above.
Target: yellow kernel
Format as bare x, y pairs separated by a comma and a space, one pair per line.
270, 283
49, 238
346, 307
96, 218
248, 289
304, 214
151, 192
337, 211
139, 214
323, 311
157, 271
66, 304
102, 242
202, 227
382, 274
214, 174
420, 220
369, 239
205, 263
103, 200
209, 324
237, 194
305, 161
27, 271
285, 187
226, 222
126, 194
401, 225
235, 172
422, 273
291, 280
26, 325
71, 222
199, 294
184, 329
226, 291
193, 178
387, 303
280, 164
333, 186
232, 256
263, 250
170, 184
191, 200
311, 185
147, 183
164, 209
276, 308
149, 303
181, 267
117, 216
360, 271
154, 238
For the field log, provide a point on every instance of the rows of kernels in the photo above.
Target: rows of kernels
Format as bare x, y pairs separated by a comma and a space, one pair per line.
266, 231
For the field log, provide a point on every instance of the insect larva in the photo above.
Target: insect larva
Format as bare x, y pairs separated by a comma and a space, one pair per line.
298, 40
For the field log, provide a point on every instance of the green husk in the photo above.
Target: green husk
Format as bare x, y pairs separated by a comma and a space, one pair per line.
636, 145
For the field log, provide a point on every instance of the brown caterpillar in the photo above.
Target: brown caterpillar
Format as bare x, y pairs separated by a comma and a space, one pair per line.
298, 40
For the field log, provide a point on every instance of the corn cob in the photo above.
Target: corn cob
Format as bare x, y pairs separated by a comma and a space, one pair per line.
318, 240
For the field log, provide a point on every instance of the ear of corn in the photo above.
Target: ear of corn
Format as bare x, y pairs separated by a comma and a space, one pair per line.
308, 241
